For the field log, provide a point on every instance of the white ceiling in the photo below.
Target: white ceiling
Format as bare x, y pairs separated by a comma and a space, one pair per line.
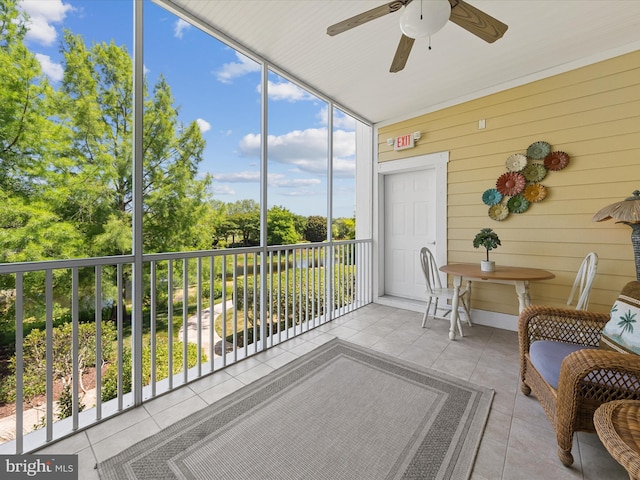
544, 37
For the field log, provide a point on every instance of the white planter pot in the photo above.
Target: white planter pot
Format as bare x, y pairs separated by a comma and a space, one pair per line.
489, 266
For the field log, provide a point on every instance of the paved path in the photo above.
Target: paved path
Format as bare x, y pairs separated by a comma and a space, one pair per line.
192, 326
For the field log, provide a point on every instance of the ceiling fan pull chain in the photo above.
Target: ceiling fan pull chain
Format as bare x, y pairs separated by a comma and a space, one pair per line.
429, 42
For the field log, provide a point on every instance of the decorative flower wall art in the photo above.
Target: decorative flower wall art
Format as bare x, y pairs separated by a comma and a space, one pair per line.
517, 204
491, 196
511, 183
535, 192
538, 150
534, 172
516, 162
520, 187
556, 161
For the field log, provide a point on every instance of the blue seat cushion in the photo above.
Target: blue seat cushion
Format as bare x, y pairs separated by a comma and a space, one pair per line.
547, 357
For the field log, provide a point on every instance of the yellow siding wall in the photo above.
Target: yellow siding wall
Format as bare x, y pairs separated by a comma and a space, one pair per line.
591, 113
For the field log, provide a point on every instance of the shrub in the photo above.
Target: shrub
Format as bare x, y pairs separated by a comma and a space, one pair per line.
35, 361
110, 384
65, 403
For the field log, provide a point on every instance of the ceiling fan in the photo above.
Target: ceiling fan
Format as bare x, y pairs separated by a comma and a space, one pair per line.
459, 12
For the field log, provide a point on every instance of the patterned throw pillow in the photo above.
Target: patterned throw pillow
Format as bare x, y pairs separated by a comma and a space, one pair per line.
622, 332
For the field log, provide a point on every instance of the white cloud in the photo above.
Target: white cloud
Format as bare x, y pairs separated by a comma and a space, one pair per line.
303, 154
286, 91
344, 168
40, 31
306, 150
281, 180
344, 145
237, 177
180, 27
52, 70
219, 189
274, 179
344, 121
340, 119
230, 71
203, 124
42, 15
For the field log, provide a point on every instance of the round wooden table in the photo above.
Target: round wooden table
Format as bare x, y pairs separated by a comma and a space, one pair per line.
618, 426
518, 276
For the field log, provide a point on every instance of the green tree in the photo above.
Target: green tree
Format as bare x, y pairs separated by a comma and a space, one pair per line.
23, 91
344, 229
280, 227
221, 226
32, 146
66, 160
316, 229
30, 141
97, 100
245, 215
300, 224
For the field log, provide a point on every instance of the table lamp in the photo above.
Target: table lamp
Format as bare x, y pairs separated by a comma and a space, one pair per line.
627, 212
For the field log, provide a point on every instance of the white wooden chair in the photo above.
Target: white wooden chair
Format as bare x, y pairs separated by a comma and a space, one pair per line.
435, 291
583, 281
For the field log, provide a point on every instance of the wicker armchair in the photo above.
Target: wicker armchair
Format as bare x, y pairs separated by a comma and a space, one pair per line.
588, 377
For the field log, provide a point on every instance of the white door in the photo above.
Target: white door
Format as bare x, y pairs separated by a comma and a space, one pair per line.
410, 211
410, 223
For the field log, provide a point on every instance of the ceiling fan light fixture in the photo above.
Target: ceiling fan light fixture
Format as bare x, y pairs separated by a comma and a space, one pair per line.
423, 18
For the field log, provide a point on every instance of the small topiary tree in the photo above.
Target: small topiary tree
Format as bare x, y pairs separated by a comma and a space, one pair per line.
488, 239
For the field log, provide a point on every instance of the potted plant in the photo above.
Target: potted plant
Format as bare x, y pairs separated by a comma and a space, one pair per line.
488, 239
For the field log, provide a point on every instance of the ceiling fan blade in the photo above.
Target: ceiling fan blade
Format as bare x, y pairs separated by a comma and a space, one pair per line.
476, 21
367, 16
402, 53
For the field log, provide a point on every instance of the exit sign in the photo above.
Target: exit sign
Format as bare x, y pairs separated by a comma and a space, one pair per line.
403, 142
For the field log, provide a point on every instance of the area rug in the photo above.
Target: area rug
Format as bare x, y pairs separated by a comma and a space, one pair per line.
339, 412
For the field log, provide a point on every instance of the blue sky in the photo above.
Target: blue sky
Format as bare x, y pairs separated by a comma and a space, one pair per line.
218, 88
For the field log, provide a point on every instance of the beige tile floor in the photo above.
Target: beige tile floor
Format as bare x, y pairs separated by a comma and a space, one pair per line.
518, 442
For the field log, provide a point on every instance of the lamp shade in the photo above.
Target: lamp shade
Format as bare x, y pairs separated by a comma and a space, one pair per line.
627, 210
422, 18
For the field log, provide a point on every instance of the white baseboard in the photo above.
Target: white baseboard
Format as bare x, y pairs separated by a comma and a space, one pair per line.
479, 317
495, 319
399, 302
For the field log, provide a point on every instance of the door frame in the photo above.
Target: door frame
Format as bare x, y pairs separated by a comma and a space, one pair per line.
437, 161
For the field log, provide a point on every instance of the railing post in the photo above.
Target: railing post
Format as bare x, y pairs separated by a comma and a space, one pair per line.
138, 155
98, 320
49, 353
152, 340
19, 362
264, 172
328, 281
75, 332
170, 321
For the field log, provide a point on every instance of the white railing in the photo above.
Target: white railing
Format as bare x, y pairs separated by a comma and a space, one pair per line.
203, 311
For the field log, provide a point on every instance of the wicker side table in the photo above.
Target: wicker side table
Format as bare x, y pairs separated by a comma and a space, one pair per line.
618, 426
